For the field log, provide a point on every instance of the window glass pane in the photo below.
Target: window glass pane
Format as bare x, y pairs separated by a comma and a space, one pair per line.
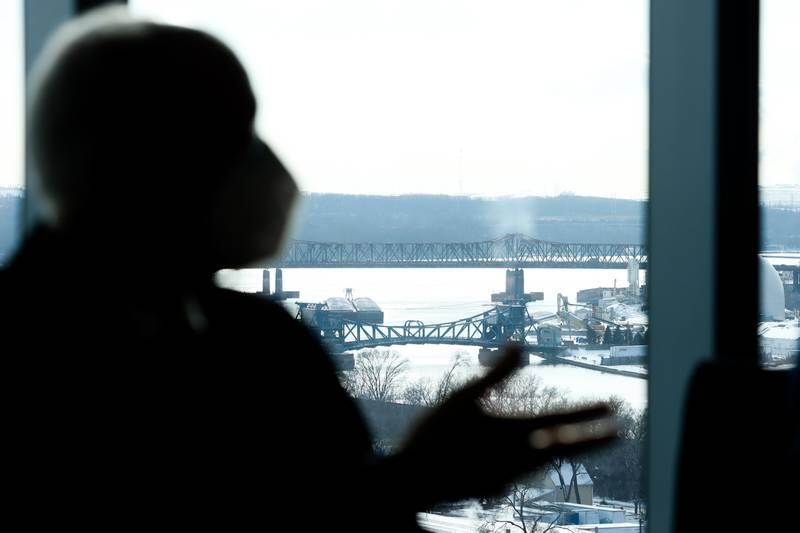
466, 130
11, 126
780, 183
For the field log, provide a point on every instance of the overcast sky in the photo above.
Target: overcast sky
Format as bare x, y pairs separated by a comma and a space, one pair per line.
482, 97
11, 93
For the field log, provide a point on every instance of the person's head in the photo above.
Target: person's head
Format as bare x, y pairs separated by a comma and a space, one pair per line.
142, 134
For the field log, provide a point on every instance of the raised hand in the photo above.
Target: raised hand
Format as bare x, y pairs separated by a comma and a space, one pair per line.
460, 451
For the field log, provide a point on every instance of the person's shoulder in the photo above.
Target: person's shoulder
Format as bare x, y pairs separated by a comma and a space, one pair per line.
25, 281
235, 299
35, 267
267, 327
12, 290
255, 312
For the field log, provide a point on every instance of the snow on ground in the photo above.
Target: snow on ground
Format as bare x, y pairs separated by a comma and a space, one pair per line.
787, 329
448, 524
779, 340
627, 314
595, 357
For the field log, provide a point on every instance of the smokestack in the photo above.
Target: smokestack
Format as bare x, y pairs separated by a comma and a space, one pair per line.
265, 281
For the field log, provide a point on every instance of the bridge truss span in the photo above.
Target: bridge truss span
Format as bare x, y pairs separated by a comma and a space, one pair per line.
510, 251
490, 329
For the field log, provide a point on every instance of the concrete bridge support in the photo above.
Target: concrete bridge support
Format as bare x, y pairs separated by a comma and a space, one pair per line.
489, 356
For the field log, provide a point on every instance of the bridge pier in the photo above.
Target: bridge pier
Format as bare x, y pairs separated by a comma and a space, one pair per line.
490, 356
279, 293
515, 289
343, 361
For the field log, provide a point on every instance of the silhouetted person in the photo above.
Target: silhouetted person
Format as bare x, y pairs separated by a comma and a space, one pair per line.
138, 393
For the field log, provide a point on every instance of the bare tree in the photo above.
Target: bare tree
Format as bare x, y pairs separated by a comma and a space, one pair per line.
574, 469
524, 395
568, 486
424, 392
617, 471
516, 501
617, 468
377, 375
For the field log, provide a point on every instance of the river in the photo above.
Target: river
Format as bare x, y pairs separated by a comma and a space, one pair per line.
444, 294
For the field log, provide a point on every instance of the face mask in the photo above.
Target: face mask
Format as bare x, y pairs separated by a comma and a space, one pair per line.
252, 209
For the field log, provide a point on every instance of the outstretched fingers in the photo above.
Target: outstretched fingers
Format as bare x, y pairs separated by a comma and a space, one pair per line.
592, 432
568, 449
509, 362
564, 433
593, 414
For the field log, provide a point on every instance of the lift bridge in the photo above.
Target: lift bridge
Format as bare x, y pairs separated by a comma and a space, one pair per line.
352, 324
491, 329
510, 251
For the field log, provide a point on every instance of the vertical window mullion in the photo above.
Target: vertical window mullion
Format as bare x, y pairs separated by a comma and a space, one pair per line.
681, 228
738, 212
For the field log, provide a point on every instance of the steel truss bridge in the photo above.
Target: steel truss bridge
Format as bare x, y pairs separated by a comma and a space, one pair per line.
510, 251
490, 329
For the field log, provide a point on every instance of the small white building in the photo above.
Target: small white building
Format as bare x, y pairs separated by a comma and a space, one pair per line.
623, 527
552, 487
571, 514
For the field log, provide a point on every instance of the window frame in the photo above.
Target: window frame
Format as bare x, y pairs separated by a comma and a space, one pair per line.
703, 139
700, 243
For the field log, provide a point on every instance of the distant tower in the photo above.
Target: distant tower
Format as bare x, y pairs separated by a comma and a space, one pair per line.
265, 286
633, 276
279, 293
773, 299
